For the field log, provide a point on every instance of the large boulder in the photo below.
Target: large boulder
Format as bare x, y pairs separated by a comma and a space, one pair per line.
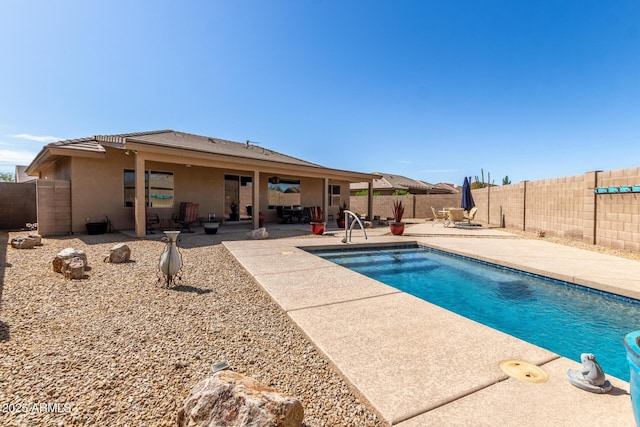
23, 243
67, 253
119, 253
73, 268
260, 233
36, 237
231, 399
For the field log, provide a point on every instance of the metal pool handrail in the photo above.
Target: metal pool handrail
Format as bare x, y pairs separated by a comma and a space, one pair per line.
347, 236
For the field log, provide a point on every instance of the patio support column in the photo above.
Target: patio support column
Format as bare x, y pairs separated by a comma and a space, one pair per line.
370, 201
325, 198
140, 202
255, 214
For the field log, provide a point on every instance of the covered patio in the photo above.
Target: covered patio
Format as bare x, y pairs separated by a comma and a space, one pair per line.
126, 177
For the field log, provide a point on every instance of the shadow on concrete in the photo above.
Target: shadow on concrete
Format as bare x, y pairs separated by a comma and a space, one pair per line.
615, 391
4, 243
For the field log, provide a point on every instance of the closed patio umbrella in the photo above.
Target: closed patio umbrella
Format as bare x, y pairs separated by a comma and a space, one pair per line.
467, 198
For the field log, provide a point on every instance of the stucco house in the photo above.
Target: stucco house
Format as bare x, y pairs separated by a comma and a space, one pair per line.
126, 176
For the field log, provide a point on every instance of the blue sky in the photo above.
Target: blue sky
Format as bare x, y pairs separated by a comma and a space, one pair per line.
433, 90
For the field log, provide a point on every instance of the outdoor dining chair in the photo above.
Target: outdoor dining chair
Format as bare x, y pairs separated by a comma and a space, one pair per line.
454, 216
438, 216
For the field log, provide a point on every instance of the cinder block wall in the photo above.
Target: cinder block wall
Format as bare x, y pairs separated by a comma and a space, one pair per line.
18, 205
416, 206
557, 206
54, 205
564, 207
617, 216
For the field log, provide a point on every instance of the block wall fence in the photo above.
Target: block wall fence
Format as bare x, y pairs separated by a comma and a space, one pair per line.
17, 205
562, 207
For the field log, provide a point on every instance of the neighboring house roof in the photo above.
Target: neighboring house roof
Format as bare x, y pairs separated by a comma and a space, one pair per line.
21, 175
170, 139
450, 187
395, 182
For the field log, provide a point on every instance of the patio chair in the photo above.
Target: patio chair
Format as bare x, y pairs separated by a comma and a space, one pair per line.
284, 214
454, 216
305, 216
152, 219
472, 214
187, 215
437, 216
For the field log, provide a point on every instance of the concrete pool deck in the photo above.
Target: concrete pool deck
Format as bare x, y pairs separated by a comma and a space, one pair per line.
418, 364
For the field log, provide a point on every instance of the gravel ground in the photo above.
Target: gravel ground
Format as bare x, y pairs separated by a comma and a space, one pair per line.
117, 349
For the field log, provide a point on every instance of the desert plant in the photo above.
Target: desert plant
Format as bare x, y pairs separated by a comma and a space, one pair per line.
7, 177
482, 184
398, 210
316, 214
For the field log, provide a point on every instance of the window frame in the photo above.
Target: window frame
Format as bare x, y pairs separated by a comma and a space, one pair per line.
331, 191
148, 174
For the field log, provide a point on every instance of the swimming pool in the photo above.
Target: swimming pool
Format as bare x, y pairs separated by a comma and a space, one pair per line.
562, 317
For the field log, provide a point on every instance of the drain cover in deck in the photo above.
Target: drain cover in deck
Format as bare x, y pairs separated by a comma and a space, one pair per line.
523, 371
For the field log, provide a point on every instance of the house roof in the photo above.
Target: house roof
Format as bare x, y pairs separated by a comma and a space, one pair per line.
450, 187
394, 182
169, 139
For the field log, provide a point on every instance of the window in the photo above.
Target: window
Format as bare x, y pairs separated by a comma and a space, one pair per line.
334, 195
285, 193
158, 191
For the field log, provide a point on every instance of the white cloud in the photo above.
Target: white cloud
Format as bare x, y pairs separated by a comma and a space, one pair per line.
16, 157
44, 139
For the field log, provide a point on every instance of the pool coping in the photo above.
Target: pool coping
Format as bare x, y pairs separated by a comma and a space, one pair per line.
418, 364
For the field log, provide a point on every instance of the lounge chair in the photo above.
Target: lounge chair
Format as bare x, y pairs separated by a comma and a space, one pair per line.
188, 215
438, 216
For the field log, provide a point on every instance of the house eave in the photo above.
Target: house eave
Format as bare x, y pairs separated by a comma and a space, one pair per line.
50, 154
202, 158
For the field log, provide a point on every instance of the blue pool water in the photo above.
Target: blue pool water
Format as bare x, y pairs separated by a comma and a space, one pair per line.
561, 317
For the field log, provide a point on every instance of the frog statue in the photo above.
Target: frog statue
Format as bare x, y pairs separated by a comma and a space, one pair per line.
590, 376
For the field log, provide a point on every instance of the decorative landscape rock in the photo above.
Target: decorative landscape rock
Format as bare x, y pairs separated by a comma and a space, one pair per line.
23, 243
36, 237
119, 253
232, 399
260, 233
73, 268
67, 253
